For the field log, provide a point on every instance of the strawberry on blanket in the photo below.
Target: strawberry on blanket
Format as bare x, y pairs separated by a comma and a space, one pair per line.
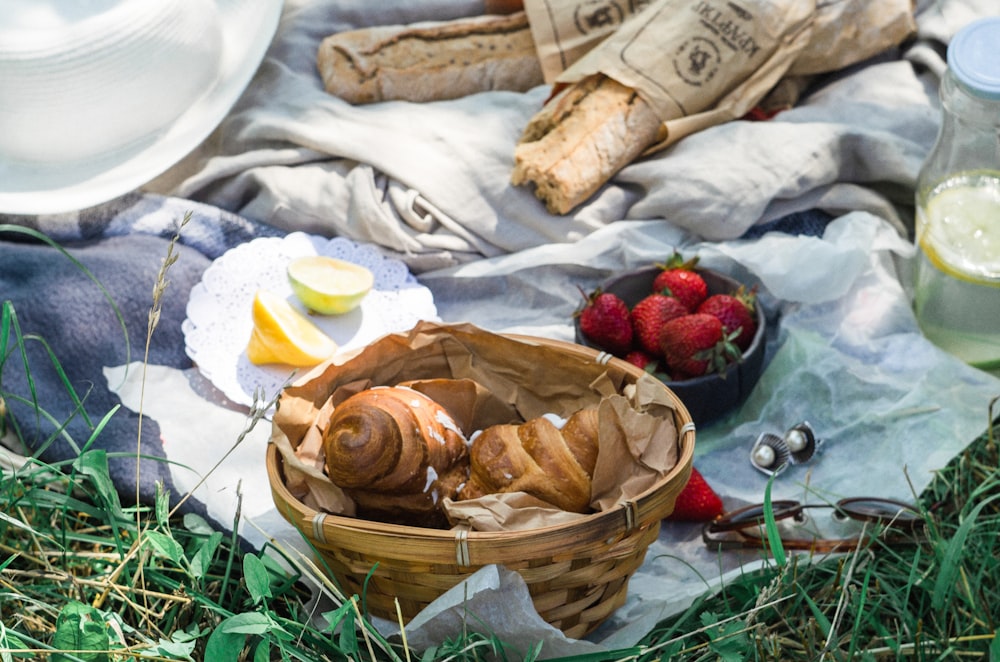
697, 502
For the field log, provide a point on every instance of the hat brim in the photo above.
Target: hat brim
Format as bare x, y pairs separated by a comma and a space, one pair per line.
248, 26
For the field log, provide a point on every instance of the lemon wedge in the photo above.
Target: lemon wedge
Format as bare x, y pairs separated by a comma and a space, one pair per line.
327, 285
281, 334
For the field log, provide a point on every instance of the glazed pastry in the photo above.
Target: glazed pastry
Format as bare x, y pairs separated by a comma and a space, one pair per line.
580, 434
538, 458
397, 454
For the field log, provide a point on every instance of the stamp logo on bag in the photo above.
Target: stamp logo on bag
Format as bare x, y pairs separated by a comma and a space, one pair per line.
697, 60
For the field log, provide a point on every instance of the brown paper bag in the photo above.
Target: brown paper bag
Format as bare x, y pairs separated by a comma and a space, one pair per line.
635, 83
675, 68
844, 31
687, 56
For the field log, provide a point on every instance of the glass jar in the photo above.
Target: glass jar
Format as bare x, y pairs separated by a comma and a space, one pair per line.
957, 275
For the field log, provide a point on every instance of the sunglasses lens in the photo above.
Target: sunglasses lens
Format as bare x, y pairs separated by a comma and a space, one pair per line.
881, 510
754, 515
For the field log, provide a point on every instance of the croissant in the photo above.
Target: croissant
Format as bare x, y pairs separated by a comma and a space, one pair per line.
552, 464
397, 454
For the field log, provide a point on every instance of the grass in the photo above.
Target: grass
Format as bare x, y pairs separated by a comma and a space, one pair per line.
85, 577
935, 601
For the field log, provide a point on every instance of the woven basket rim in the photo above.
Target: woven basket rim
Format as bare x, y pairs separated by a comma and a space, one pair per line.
625, 517
628, 515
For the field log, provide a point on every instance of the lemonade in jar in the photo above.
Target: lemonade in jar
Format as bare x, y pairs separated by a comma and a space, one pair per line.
957, 276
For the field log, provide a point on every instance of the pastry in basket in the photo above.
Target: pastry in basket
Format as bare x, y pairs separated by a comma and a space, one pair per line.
536, 457
397, 454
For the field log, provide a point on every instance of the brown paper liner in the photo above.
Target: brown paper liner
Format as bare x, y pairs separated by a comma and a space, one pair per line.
484, 379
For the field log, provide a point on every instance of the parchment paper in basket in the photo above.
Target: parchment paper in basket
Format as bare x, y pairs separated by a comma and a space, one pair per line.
637, 449
638, 445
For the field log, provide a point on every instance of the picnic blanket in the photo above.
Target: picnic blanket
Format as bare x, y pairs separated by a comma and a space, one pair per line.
814, 206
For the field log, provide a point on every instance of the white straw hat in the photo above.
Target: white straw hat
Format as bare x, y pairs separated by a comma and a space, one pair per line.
99, 97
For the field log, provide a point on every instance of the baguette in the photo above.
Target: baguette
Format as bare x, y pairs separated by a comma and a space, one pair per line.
430, 61
585, 134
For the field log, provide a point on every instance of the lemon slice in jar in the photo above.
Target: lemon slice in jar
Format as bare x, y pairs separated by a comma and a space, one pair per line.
281, 334
962, 236
327, 285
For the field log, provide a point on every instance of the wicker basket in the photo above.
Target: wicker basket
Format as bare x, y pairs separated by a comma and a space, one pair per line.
577, 573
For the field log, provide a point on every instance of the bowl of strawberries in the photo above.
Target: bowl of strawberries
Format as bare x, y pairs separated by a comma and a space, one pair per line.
699, 331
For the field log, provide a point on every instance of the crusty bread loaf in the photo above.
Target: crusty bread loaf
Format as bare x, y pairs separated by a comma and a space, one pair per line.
430, 61
537, 458
584, 135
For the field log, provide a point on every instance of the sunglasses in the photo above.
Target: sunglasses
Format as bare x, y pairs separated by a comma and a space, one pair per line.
896, 523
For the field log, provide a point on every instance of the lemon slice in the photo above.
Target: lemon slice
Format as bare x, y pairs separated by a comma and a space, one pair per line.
962, 237
327, 285
281, 334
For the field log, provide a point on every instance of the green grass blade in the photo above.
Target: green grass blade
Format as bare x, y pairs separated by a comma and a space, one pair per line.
100, 427
94, 465
821, 620
859, 610
952, 556
771, 528
15, 522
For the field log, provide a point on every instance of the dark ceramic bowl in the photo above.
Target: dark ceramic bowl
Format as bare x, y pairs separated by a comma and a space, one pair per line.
710, 397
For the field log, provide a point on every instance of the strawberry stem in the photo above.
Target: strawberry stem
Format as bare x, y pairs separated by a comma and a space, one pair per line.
721, 354
676, 261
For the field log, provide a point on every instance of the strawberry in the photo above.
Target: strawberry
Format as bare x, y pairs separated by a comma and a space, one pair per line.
641, 359
696, 344
651, 364
678, 279
648, 317
604, 320
697, 501
736, 312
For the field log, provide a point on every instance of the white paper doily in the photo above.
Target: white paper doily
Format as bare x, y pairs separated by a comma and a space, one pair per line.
219, 320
